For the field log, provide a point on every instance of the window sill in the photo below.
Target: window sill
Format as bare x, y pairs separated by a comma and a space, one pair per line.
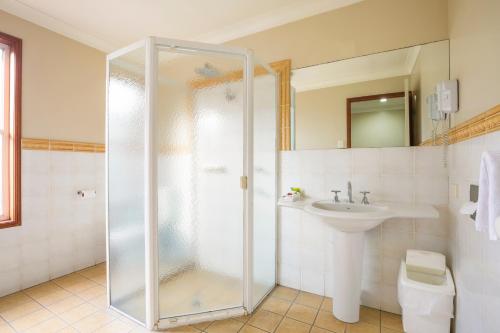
9, 224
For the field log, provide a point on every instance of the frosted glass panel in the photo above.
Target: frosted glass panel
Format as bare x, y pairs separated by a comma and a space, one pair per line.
200, 204
264, 194
126, 183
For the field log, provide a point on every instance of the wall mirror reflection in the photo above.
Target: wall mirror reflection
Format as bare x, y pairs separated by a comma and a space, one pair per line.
378, 100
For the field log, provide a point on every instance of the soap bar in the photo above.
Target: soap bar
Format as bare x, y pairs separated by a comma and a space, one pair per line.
426, 262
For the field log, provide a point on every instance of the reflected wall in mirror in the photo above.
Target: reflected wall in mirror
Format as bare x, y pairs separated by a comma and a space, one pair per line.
377, 100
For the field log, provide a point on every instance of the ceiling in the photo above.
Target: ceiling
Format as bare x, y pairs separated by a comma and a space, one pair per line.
366, 68
111, 24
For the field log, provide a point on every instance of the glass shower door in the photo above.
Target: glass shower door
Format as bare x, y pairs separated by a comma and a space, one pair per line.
200, 157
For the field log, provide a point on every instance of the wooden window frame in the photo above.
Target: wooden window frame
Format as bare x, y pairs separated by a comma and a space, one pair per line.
11, 148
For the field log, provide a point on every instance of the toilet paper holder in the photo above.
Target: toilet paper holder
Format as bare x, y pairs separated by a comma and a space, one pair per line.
470, 207
86, 194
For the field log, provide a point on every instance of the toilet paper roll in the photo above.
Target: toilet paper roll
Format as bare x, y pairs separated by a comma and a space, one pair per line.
86, 194
468, 208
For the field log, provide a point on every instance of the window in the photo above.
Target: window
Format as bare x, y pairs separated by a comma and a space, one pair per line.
10, 130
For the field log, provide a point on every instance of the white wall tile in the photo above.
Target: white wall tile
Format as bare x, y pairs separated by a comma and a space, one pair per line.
313, 281
59, 233
397, 188
10, 281
414, 174
289, 276
474, 259
431, 161
366, 161
397, 161
34, 273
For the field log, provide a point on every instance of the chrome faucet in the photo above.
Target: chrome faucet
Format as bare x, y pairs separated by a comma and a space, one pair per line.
349, 191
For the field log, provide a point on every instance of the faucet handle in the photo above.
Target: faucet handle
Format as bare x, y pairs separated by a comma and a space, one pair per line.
336, 198
365, 198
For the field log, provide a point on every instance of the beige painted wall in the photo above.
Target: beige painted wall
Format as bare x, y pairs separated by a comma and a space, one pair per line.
63, 93
475, 52
378, 129
363, 28
320, 115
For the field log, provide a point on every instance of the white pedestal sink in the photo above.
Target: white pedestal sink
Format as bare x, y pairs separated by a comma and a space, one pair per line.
348, 224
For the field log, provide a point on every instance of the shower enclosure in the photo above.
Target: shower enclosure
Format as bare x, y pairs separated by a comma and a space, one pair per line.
191, 181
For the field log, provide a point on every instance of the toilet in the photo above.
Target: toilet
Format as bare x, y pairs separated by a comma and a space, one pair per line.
425, 293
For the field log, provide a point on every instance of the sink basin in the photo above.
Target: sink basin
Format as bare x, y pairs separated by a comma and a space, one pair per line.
349, 217
348, 223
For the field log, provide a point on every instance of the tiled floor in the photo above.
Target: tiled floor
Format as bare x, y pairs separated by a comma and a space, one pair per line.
77, 303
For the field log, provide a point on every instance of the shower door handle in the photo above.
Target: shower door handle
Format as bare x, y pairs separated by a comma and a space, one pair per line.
244, 182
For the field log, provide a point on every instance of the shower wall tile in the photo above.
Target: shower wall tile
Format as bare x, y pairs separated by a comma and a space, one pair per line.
414, 174
60, 233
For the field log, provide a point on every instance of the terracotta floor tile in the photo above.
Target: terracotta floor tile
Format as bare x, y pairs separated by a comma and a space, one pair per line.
302, 313
289, 325
13, 300
65, 304
362, 327
100, 301
90, 293
308, 299
42, 289
243, 319
20, 310
78, 313
369, 315
315, 329
51, 325
265, 320
285, 293
327, 304
224, 326
68, 280
116, 326
31, 320
81, 286
94, 271
392, 321
92, 322
276, 305
183, 329
6, 329
68, 329
202, 326
327, 321
52, 296
251, 329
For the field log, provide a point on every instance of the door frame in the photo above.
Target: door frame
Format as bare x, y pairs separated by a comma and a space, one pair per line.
398, 94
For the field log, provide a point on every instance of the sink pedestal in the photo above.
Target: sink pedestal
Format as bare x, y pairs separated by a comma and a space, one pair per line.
347, 266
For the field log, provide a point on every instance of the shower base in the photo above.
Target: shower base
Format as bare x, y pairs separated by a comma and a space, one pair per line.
194, 291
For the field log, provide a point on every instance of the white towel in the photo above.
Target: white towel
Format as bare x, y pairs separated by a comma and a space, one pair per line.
488, 204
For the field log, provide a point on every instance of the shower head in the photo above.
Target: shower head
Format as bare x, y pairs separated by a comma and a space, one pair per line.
208, 71
230, 94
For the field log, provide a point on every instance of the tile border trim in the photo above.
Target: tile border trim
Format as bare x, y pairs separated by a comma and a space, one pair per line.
484, 123
60, 145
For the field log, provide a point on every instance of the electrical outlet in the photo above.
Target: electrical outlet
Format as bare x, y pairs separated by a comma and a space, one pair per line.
454, 191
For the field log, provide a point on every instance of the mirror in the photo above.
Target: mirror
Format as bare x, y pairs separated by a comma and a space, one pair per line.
378, 100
